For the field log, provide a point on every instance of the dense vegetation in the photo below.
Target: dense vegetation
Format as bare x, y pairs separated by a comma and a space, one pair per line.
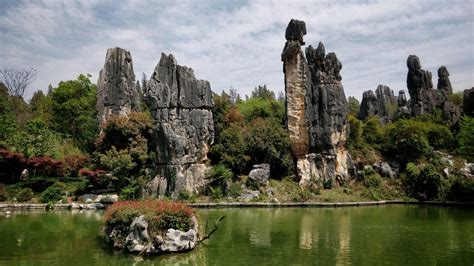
55, 137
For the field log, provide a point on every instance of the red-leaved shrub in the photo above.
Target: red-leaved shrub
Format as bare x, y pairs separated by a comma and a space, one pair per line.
160, 215
73, 164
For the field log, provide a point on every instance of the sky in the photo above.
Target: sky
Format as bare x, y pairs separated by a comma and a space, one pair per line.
237, 44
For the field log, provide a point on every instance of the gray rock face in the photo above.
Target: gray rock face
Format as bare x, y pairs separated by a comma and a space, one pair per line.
385, 170
443, 80
176, 240
468, 102
116, 89
137, 237
316, 109
383, 103
451, 113
402, 109
424, 99
260, 173
180, 105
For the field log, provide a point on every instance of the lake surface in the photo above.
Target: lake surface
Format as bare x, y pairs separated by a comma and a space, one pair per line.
379, 235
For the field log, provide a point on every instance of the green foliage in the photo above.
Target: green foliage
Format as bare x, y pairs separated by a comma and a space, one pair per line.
327, 184
230, 150
456, 98
53, 193
302, 195
7, 118
234, 190
262, 108
219, 177
371, 179
221, 104
372, 131
132, 191
263, 93
73, 110
462, 189
24, 195
423, 183
3, 193
466, 137
407, 140
119, 164
355, 139
439, 136
354, 106
268, 142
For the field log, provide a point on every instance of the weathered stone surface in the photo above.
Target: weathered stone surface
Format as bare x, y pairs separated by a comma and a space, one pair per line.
295, 31
383, 103
137, 238
423, 98
181, 106
176, 240
443, 80
402, 110
468, 102
451, 113
385, 170
316, 110
116, 89
327, 115
260, 173
368, 105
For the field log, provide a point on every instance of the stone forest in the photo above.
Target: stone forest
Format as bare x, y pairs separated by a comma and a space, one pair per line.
164, 155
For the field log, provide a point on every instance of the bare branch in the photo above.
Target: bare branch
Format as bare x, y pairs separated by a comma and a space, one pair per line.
17, 80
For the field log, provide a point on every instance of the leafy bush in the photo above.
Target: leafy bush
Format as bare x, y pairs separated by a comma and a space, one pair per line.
438, 136
423, 183
219, 177
230, 150
73, 164
3, 193
160, 215
24, 195
235, 189
53, 193
407, 140
132, 191
462, 189
262, 108
465, 137
355, 139
119, 164
268, 142
372, 131
457, 98
327, 184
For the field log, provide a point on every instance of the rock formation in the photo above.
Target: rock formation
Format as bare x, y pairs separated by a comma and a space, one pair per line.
316, 109
402, 109
424, 99
383, 103
116, 89
327, 115
468, 102
181, 106
443, 80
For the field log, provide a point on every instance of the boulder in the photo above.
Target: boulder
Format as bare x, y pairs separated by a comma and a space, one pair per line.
137, 238
107, 199
385, 170
116, 89
88, 198
176, 240
468, 102
260, 173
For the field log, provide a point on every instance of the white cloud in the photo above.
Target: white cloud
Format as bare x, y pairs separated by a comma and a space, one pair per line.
237, 43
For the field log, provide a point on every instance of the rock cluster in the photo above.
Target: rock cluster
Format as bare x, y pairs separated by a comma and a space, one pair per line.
116, 89
403, 110
181, 106
316, 109
137, 239
383, 104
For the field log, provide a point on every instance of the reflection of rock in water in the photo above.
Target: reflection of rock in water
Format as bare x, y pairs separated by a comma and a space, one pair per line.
198, 256
344, 252
306, 234
260, 234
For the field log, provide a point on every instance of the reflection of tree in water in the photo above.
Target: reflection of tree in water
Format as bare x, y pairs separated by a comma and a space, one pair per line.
306, 232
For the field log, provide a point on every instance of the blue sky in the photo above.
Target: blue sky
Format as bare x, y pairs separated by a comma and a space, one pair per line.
238, 43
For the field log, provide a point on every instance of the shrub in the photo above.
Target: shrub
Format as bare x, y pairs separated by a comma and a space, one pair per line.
24, 195
462, 189
234, 191
355, 139
3, 193
160, 215
53, 193
262, 108
73, 164
465, 137
371, 179
423, 183
439, 136
327, 184
407, 140
372, 131
219, 177
132, 191
230, 150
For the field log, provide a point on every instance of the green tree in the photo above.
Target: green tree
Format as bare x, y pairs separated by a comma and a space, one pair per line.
263, 92
40, 108
466, 137
407, 140
73, 106
264, 108
230, 150
354, 106
355, 132
7, 118
221, 104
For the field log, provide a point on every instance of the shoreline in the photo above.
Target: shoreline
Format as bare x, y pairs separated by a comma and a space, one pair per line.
212, 205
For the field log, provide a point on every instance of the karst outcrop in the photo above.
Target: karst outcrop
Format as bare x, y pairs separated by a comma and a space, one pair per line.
403, 111
316, 110
116, 89
181, 106
383, 104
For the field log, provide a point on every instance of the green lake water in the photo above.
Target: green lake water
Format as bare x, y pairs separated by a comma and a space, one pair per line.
379, 235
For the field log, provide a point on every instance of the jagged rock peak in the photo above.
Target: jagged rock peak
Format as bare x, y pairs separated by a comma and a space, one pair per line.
443, 80
328, 65
295, 31
468, 102
116, 89
368, 105
402, 109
